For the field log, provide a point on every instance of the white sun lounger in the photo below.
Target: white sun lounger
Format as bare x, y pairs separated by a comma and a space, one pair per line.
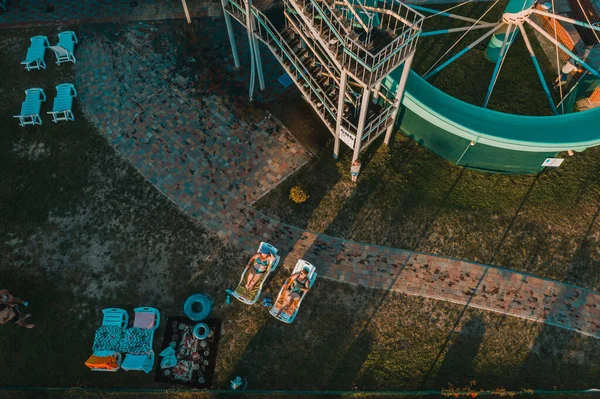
312, 276
35, 53
62, 109
65, 49
240, 292
30, 108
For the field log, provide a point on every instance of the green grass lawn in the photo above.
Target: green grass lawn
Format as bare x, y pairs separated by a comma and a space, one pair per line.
81, 230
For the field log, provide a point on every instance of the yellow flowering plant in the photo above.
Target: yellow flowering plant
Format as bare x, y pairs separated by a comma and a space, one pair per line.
298, 195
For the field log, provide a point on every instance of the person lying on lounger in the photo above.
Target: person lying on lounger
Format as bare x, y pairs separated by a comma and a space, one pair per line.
258, 265
296, 285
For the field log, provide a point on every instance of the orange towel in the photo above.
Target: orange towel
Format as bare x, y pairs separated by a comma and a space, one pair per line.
102, 362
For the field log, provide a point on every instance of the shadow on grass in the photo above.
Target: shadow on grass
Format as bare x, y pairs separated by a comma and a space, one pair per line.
458, 367
346, 218
49, 306
457, 322
583, 263
440, 207
557, 353
512, 222
341, 354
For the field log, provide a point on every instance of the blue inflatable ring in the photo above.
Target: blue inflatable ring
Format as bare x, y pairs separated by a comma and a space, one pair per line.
194, 300
201, 331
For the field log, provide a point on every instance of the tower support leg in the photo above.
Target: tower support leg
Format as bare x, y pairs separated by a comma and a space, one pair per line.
187, 13
340, 114
399, 94
362, 118
250, 31
259, 68
234, 51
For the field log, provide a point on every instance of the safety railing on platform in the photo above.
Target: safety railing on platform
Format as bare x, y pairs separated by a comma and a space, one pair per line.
373, 126
398, 20
372, 66
335, 14
322, 59
330, 30
349, 126
352, 6
271, 35
296, 65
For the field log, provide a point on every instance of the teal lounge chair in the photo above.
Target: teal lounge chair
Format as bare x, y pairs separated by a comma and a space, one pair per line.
30, 109
290, 314
63, 103
118, 318
115, 317
250, 298
65, 48
36, 52
149, 319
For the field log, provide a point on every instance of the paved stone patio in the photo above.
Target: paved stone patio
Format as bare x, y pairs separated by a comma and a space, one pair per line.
183, 120
36, 12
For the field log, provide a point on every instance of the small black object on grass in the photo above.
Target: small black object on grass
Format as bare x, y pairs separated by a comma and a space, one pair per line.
49, 8
133, 3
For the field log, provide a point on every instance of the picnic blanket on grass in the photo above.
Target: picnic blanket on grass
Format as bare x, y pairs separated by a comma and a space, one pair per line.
195, 358
126, 340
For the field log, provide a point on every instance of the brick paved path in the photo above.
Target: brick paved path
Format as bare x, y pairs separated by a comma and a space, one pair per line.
213, 155
37, 12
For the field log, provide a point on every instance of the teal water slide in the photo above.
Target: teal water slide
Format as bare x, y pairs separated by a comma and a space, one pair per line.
503, 143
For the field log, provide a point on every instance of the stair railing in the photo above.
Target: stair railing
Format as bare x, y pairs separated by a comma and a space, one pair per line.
267, 31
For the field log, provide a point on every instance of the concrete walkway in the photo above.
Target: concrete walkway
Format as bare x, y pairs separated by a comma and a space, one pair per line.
212, 154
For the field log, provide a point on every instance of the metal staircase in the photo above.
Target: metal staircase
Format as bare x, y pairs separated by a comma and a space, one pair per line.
337, 52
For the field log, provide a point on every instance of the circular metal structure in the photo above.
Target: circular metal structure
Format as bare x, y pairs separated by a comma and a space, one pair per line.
480, 138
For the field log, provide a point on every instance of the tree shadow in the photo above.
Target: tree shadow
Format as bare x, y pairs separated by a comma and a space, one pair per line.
453, 330
512, 221
583, 265
428, 226
351, 362
458, 366
557, 353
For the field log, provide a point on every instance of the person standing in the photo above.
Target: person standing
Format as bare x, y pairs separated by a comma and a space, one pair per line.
567, 69
355, 170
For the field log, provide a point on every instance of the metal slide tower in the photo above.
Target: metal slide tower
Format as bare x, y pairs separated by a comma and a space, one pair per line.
337, 52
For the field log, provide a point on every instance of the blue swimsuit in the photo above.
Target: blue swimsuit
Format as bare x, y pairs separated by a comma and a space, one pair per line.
260, 266
298, 285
